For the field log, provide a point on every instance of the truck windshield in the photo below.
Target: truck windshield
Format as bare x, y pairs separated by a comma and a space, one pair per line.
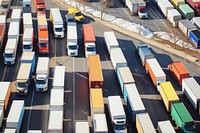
58, 29
143, 11
43, 45
9, 55
41, 9
189, 126
22, 84
119, 127
90, 49
78, 14
72, 47
27, 47
41, 81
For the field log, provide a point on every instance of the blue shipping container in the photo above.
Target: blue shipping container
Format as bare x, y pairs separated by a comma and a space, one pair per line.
194, 36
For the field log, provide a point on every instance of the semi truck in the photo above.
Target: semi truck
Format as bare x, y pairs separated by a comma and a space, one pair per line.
144, 52
10, 51
178, 70
144, 123
57, 22
95, 72
186, 11
182, 117
124, 76
27, 20
96, 101
137, 7
4, 6
89, 39
29, 57
55, 124
195, 4
133, 101
117, 58
194, 37
43, 34
110, 40
2, 29
28, 40
117, 114
15, 115
16, 15
192, 91
100, 123
82, 127
23, 78
5, 91
72, 39
40, 7
155, 71
165, 127
59, 77
164, 6
42, 74
57, 99
168, 95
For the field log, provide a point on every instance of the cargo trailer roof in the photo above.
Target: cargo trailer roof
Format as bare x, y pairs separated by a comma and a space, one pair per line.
89, 35
57, 18
55, 120
118, 55
169, 91
180, 67
28, 33
27, 18
134, 97
156, 68
15, 111
57, 97
126, 75
42, 19
43, 33
146, 123
27, 56
2, 19
193, 85
167, 3
111, 39
182, 112
196, 32
100, 123
187, 23
59, 76
22, 73
96, 96
9, 130
42, 65
95, 68
11, 43
16, 14
116, 106
82, 127
174, 12
13, 29
186, 8
166, 127
72, 31
4, 86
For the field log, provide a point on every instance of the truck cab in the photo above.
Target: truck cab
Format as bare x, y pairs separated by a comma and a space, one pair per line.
141, 45
142, 12
77, 14
10, 52
40, 6
43, 41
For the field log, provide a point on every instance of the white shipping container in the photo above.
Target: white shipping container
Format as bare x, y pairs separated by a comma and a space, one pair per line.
117, 58
13, 32
9, 130
59, 77
144, 123
174, 16
34, 131
192, 91
165, 127
196, 21
132, 5
82, 127
124, 76
4, 91
55, 122
110, 40
100, 123
57, 99
2, 19
27, 20
164, 6
15, 115
16, 15
185, 25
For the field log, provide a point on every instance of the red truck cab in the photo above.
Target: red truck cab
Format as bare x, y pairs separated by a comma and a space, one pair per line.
40, 6
43, 41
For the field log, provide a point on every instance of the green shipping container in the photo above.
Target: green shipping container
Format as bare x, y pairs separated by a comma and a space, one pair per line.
186, 11
182, 118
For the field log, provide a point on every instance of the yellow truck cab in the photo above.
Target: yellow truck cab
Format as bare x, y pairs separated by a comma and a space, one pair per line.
78, 16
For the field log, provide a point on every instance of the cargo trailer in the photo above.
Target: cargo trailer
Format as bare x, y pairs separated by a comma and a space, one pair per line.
29, 57
5, 91
110, 40
133, 101
100, 123
59, 77
82, 127
164, 6
194, 36
28, 40
185, 26
15, 115
155, 71
16, 15
178, 70
192, 91
13, 31
57, 100
55, 124
95, 72
168, 95
165, 127
174, 16
196, 21
186, 11
27, 20
144, 123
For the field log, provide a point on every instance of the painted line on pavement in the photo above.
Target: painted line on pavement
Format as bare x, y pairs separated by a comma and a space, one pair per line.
4, 73
74, 107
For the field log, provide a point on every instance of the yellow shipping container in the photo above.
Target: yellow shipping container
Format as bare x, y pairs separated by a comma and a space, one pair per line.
168, 94
96, 101
176, 3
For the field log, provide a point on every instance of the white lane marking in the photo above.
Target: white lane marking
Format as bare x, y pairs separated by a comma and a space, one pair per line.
74, 107
33, 94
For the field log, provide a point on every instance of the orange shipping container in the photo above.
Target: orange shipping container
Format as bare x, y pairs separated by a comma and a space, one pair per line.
88, 34
179, 71
95, 72
5, 91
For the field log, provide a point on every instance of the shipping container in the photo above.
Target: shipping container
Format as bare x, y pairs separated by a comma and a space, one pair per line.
185, 26
176, 3
186, 11
194, 36
29, 57
95, 72
125, 77
57, 100
178, 70
13, 31
133, 101
96, 101
174, 16
34, 131
144, 123
196, 21
164, 6
192, 91
16, 15
100, 123
27, 20
82, 127
195, 4
15, 115
155, 71
59, 77
55, 124
168, 95
165, 127
117, 58
110, 40
5, 91
7, 130
182, 117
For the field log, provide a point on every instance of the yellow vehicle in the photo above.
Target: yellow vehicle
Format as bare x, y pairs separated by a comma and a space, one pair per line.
78, 16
